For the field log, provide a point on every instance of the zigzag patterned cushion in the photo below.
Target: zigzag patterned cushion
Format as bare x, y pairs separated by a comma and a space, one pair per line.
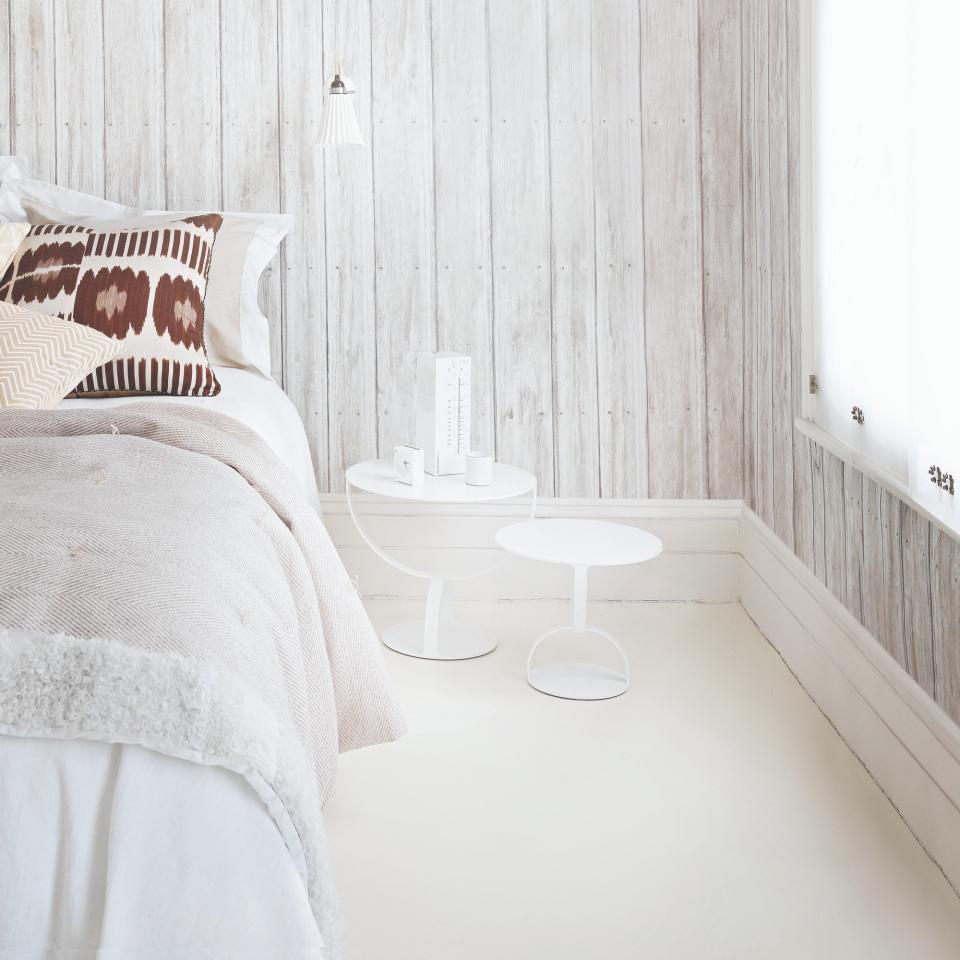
144, 286
43, 357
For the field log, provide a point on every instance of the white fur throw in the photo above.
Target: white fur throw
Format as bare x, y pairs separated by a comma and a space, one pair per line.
164, 582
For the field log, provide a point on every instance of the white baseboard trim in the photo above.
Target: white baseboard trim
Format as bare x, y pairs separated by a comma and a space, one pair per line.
714, 551
699, 562
909, 746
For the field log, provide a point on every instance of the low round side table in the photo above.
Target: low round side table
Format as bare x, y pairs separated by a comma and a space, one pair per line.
434, 637
581, 544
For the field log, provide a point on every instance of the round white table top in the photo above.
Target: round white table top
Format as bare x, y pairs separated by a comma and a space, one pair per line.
580, 543
377, 476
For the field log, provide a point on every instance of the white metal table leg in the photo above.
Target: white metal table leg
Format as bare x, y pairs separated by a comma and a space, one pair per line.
438, 636
575, 680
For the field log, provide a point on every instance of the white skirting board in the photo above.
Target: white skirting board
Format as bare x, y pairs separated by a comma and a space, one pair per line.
910, 747
700, 559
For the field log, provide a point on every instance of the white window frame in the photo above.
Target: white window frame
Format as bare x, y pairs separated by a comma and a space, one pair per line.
806, 423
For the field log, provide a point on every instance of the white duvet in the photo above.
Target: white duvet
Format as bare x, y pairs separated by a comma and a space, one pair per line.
113, 851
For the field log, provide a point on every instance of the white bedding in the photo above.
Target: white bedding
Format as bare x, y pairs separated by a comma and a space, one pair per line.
115, 852
256, 402
112, 851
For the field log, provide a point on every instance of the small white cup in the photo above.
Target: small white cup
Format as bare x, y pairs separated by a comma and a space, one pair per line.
478, 469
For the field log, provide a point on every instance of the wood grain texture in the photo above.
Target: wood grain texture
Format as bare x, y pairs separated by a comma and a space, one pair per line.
853, 540
6, 106
32, 86
676, 397
722, 219
133, 102
193, 157
79, 91
303, 256
249, 122
496, 206
573, 249
521, 225
402, 146
461, 159
618, 216
945, 594
351, 306
780, 354
917, 612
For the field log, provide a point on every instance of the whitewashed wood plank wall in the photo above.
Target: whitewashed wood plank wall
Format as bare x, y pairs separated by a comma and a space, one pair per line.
553, 186
897, 573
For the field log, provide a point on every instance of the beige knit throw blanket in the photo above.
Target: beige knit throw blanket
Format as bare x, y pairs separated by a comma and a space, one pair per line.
164, 582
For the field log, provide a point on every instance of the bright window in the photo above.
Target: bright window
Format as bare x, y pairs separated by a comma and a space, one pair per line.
883, 240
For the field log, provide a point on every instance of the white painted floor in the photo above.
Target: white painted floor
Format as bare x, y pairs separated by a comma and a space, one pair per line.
711, 812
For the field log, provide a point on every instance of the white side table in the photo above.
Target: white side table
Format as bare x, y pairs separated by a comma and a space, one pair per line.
581, 544
436, 638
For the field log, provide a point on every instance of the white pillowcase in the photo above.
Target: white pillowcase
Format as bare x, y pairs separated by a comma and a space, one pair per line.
11, 236
236, 333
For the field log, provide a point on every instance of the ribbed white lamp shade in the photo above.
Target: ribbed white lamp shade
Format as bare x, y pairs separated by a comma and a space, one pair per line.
338, 123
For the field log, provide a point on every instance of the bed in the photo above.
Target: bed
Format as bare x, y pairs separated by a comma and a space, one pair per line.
120, 843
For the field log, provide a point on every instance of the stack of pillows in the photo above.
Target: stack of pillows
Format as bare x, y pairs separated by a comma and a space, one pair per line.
101, 299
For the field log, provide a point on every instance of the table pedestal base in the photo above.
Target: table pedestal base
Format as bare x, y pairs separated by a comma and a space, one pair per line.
453, 640
578, 681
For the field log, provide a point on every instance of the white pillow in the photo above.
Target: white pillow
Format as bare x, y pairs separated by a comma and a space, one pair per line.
11, 236
11, 168
236, 333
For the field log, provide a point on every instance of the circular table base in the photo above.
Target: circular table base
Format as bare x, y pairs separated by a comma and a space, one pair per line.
457, 641
578, 681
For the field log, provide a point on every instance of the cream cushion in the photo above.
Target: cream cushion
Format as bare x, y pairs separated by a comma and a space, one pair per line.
42, 358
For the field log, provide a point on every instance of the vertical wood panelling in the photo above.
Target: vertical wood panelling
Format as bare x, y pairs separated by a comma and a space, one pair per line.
871, 581
249, 98
750, 160
834, 537
5, 79
917, 614
402, 146
496, 206
573, 249
193, 156
78, 48
303, 255
891, 557
461, 153
853, 537
348, 199
780, 475
722, 243
520, 181
672, 249
945, 588
802, 502
758, 239
618, 205
133, 81
32, 79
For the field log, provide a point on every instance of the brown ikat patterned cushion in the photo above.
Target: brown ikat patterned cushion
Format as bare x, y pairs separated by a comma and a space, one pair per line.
143, 286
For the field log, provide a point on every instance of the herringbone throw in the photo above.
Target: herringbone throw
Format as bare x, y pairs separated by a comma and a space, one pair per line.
42, 358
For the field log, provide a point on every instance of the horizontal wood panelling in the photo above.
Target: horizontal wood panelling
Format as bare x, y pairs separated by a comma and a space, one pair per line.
548, 185
897, 573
